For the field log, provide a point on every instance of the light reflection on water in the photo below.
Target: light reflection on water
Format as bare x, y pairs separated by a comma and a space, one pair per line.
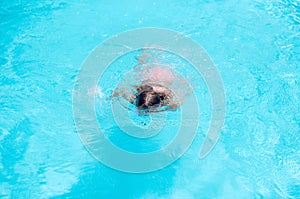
254, 45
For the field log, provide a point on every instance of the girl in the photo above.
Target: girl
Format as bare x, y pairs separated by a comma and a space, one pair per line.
152, 87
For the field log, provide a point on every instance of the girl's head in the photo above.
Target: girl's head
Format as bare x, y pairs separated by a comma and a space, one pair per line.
147, 99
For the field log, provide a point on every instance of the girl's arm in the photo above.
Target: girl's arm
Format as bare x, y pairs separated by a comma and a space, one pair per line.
123, 92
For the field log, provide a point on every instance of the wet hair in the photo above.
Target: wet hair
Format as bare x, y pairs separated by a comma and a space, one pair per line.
147, 99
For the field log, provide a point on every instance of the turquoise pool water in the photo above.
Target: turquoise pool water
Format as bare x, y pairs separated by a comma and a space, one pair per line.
254, 44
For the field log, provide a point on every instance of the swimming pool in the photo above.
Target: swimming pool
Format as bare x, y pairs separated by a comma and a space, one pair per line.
255, 46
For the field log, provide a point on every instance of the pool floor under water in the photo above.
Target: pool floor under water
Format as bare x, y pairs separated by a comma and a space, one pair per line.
255, 46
